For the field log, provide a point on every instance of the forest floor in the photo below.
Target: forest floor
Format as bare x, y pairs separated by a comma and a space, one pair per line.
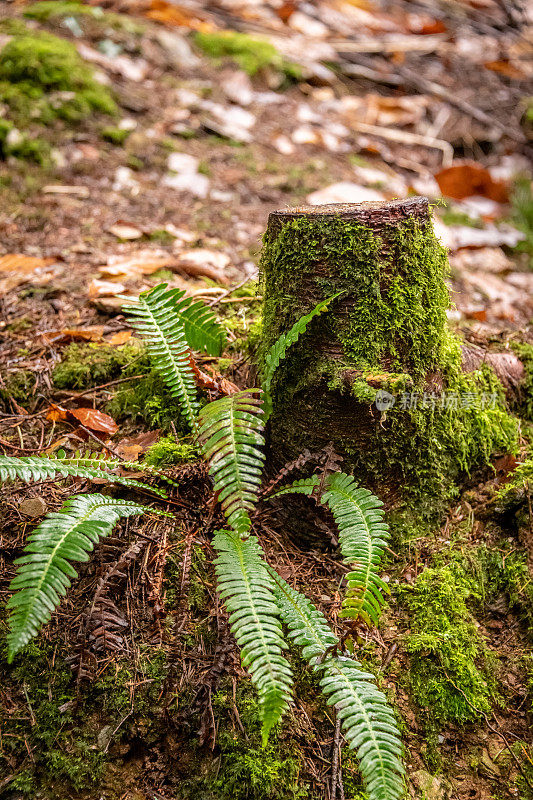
141, 696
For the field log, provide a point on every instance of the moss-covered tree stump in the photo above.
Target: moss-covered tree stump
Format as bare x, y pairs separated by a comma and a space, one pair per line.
379, 373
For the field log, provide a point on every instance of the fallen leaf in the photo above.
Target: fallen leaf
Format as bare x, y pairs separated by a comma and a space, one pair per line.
91, 334
120, 337
95, 420
19, 268
57, 413
77, 191
133, 70
467, 179
125, 230
33, 507
215, 383
132, 447
175, 16
204, 262
505, 68
144, 262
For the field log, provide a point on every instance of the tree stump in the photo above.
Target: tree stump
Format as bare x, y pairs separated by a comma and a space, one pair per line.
357, 377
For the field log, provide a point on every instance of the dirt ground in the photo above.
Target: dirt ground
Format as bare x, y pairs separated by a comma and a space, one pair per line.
142, 696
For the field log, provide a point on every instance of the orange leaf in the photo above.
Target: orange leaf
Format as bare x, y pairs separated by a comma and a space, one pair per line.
18, 269
468, 178
95, 420
57, 413
174, 15
215, 383
505, 68
90, 334
120, 337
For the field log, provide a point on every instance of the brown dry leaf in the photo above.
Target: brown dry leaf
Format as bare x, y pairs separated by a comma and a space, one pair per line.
123, 229
175, 16
57, 413
144, 262
215, 382
204, 262
91, 334
18, 269
120, 337
505, 68
95, 420
132, 447
467, 178
99, 289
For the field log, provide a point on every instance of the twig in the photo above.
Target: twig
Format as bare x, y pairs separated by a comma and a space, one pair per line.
229, 291
406, 137
336, 774
102, 386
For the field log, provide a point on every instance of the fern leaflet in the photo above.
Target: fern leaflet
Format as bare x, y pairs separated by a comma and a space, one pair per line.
301, 486
44, 570
367, 720
230, 433
278, 351
154, 316
363, 535
91, 465
247, 590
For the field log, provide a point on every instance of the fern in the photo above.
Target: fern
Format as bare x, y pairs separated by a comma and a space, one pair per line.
230, 433
278, 351
363, 534
202, 331
367, 720
302, 486
247, 590
91, 465
44, 571
154, 316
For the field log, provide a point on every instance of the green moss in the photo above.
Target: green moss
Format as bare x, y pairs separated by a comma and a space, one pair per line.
45, 10
42, 78
20, 146
40, 718
147, 400
525, 354
168, 451
86, 365
18, 385
115, 135
522, 214
452, 672
249, 771
251, 54
393, 337
451, 216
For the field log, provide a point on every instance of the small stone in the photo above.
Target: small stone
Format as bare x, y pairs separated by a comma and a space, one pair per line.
431, 787
33, 507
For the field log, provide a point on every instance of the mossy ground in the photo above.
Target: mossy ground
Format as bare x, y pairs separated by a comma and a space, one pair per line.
251, 54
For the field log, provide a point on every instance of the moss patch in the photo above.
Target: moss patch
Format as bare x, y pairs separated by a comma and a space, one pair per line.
45, 10
252, 55
168, 451
43, 77
451, 672
86, 365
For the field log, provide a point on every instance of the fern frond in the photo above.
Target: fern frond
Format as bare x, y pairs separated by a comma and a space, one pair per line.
155, 318
44, 570
247, 590
278, 351
230, 433
301, 486
202, 331
363, 535
367, 720
91, 465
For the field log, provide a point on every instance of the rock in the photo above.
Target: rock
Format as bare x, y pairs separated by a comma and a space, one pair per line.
177, 49
237, 87
430, 787
183, 163
33, 507
192, 182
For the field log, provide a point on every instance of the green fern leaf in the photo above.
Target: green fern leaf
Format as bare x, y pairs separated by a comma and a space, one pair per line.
154, 316
302, 486
247, 590
363, 535
44, 571
230, 433
278, 351
202, 331
91, 465
367, 720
